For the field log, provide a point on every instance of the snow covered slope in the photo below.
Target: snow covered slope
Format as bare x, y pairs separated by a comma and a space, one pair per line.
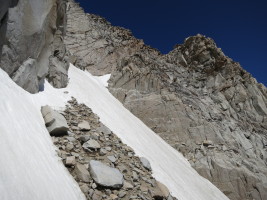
29, 166
29, 156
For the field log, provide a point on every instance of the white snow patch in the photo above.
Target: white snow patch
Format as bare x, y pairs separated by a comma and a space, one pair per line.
31, 169
29, 166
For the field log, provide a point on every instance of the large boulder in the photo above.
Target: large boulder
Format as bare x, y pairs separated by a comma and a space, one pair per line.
105, 176
56, 123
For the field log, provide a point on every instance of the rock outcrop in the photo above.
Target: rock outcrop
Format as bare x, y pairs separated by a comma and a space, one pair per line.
5, 5
34, 48
95, 44
106, 176
197, 99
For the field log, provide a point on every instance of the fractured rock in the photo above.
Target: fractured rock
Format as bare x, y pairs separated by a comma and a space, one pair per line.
40, 19
91, 145
84, 126
82, 173
105, 176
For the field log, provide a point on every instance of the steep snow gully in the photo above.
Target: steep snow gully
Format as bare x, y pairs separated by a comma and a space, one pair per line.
30, 168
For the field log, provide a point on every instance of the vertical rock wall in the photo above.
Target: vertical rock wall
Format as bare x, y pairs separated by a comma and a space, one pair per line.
5, 5
34, 47
197, 99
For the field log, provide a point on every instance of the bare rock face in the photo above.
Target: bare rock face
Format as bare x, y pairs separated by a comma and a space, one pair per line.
35, 31
5, 5
207, 107
106, 176
197, 99
95, 44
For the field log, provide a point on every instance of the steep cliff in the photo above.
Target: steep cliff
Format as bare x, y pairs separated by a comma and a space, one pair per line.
5, 5
196, 98
34, 48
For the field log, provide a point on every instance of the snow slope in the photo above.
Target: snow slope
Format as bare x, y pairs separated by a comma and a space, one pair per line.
29, 156
29, 166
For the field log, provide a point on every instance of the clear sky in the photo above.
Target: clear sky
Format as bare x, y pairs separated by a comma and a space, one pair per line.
239, 27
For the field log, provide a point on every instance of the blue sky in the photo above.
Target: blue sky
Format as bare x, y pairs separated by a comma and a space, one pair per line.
238, 27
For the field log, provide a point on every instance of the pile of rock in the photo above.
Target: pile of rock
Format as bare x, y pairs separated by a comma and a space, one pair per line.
103, 166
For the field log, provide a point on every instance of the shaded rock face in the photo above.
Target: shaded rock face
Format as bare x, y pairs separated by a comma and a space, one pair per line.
5, 5
197, 99
35, 34
95, 44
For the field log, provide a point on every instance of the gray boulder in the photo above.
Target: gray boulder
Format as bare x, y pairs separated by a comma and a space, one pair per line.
145, 163
84, 126
82, 173
5, 5
104, 129
91, 145
55, 123
106, 176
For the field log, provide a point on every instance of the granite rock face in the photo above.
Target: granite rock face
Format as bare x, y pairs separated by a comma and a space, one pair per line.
207, 107
197, 99
5, 5
112, 172
35, 34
